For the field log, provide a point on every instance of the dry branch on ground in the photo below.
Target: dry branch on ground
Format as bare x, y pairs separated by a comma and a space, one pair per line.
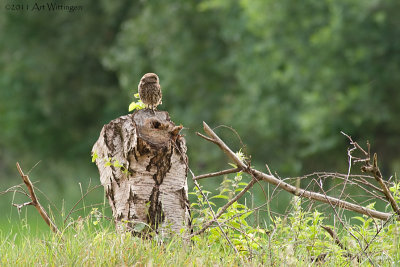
311, 195
35, 202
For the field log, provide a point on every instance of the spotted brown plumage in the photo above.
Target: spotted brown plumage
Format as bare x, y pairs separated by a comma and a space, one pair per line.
150, 90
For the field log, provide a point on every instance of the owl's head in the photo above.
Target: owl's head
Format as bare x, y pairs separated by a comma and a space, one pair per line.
149, 78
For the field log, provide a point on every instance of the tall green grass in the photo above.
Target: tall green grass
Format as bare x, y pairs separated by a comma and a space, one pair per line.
296, 239
85, 244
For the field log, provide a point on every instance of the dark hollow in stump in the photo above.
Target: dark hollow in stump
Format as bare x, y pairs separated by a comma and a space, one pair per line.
143, 167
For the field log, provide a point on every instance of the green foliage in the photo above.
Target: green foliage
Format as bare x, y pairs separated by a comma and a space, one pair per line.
288, 76
395, 189
108, 161
136, 105
95, 156
244, 236
297, 238
111, 162
293, 240
53, 89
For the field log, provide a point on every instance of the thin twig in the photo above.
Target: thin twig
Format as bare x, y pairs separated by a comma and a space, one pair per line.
336, 239
357, 145
14, 189
377, 232
224, 147
349, 154
216, 173
207, 138
365, 182
374, 169
35, 201
210, 208
349, 231
214, 219
20, 206
225, 207
34, 166
76, 204
290, 188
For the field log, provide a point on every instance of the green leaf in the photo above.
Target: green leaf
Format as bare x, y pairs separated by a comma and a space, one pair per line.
244, 216
233, 165
136, 105
94, 156
225, 190
235, 224
132, 106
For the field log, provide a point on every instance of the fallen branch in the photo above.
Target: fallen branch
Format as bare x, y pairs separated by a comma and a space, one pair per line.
374, 170
337, 241
35, 202
334, 236
288, 187
216, 173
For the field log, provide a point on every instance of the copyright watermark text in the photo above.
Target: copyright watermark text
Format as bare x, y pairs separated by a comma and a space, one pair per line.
42, 7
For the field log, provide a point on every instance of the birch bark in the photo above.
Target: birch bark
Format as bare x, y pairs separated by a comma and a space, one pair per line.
143, 167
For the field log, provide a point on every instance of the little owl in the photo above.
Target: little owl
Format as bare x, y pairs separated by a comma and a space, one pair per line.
150, 90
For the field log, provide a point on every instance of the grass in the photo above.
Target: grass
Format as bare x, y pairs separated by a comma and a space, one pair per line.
87, 245
294, 240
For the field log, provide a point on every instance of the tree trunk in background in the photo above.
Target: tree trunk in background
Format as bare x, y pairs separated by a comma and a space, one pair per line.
143, 167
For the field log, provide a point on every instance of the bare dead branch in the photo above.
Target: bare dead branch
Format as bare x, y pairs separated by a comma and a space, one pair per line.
356, 145
334, 237
15, 189
207, 138
365, 182
269, 171
228, 171
374, 169
290, 188
35, 202
20, 206
224, 147
337, 241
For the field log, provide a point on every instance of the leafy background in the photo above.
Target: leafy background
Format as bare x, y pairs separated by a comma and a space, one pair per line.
288, 76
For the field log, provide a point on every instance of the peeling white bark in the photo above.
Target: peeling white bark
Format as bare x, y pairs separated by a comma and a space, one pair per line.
143, 167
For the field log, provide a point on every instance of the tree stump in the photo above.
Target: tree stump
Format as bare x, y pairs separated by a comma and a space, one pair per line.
143, 167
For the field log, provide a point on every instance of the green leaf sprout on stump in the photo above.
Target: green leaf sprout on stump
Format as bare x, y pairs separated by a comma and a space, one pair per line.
136, 105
